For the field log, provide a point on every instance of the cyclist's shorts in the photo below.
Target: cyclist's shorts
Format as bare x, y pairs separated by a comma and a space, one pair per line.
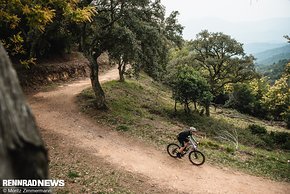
182, 140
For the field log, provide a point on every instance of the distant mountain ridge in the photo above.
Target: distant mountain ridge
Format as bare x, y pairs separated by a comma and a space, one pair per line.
258, 47
269, 30
271, 56
274, 71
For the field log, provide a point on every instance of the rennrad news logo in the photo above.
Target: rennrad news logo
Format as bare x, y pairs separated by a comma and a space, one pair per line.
33, 183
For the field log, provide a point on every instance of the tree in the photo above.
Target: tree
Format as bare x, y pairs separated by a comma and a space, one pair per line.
143, 41
125, 51
132, 32
33, 28
221, 59
188, 86
277, 99
148, 39
275, 71
180, 56
242, 98
288, 38
247, 97
22, 152
157, 42
96, 38
259, 87
205, 100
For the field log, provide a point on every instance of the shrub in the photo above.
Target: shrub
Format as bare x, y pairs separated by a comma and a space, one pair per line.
257, 136
211, 145
122, 128
257, 129
269, 141
281, 140
72, 174
242, 98
230, 149
189, 86
286, 145
288, 120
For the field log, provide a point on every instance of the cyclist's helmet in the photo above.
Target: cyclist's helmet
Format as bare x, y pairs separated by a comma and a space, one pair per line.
192, 129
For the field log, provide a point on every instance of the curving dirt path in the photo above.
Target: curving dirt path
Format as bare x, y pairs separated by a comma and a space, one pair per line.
56, 111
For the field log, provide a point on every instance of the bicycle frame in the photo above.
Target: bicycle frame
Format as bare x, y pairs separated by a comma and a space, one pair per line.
192, 146
195, 156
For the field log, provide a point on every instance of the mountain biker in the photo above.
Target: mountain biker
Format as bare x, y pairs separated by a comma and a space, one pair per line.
183, 139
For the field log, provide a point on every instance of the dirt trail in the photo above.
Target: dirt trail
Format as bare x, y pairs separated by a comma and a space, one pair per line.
57, 112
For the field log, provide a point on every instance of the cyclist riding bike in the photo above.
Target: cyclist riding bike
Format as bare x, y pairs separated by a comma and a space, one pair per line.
183, 139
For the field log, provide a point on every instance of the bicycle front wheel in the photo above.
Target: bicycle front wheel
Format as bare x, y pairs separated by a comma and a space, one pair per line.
172, 149
196, 158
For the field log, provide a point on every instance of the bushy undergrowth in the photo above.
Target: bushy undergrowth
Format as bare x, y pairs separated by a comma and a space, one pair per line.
261, 138
145, 110
257, 129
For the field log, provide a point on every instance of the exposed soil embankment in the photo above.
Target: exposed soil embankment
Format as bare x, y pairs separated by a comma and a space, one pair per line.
44, 73
60, 69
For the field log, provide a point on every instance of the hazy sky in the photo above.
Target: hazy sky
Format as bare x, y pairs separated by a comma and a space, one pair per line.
220, 15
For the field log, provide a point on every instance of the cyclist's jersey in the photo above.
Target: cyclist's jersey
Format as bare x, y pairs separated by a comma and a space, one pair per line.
184, 134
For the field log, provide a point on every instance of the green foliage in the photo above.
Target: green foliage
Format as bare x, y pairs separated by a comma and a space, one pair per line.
180, 56
211, 144
274, 71
257, 129
281, 139
156, 37
221, 59
30, 29
259, 87
288, 38
188, 86
173, 30
122, 128
133, 32
259, 99
206, 97
263, 139
242, 98
73, 174
277, 99
288, 119
247, 97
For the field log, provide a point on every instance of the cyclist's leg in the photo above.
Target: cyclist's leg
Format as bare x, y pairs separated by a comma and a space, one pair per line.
185, 144
181, 142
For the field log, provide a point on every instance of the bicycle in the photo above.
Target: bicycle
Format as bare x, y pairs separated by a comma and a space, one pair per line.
195, 157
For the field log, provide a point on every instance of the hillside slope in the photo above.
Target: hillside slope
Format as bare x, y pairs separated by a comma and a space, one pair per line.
271, 56
57, 114
144, 109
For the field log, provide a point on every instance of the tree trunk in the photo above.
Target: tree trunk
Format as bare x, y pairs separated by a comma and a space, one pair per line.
121, 75
22, 151
186, 107
195, 106
175, 109
207, 111
98, 90
122, 70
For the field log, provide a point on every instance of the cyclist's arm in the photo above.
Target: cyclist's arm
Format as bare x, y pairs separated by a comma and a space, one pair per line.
193, 139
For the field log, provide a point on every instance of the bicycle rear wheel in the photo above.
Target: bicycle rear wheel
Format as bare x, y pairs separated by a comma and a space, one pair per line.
172, 149
196, 157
